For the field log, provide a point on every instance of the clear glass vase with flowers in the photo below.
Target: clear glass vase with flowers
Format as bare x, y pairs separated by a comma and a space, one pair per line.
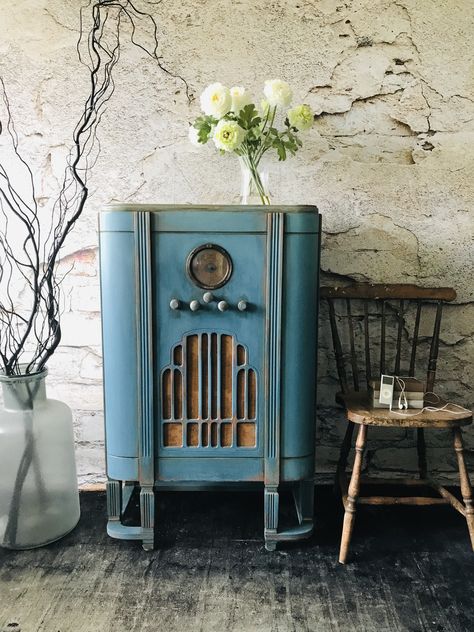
236, 125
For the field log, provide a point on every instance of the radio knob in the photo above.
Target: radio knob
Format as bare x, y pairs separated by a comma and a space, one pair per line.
174, 303
222, 306
194, 306
208, 297
242, 305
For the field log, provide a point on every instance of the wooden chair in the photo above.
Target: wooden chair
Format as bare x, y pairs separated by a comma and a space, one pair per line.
361, 318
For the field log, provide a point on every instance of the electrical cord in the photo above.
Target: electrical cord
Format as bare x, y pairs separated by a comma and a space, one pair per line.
432, 409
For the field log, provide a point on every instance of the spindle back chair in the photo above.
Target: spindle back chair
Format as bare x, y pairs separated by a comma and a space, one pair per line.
388, 326
382, 306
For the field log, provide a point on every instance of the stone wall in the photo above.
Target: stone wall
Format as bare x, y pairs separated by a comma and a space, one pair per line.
389, 162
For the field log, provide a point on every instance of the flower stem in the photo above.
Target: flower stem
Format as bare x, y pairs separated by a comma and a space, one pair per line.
263, 147
252, 166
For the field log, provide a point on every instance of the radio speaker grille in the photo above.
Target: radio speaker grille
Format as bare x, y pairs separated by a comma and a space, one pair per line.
209, 394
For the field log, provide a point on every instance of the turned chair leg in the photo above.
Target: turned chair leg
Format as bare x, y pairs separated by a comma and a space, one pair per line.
421, 449
343, 456
466, 489
353, 493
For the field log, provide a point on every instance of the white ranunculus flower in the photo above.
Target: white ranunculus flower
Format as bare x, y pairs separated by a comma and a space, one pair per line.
301, 117
193, 136
228, 135
277, 92
216, 100
240, 98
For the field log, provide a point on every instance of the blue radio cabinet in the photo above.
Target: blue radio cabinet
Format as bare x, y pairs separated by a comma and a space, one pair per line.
209, 323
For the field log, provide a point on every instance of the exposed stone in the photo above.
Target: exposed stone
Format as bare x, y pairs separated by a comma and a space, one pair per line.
377, 237
413, 109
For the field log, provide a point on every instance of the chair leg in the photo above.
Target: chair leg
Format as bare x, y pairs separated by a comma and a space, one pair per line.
353, 493
466, 489
421, 449
344, 454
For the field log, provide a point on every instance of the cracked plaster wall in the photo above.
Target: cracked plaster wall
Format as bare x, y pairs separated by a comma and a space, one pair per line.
389, 162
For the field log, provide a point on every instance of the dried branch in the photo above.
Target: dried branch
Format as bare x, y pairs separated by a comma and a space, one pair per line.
33, 330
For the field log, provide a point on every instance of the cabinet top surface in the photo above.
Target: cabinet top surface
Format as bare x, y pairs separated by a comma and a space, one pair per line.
236, 208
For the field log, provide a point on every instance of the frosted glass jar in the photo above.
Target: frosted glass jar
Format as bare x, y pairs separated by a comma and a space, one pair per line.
39, 499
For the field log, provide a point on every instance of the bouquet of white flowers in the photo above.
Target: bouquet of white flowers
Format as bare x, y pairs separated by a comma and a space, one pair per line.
235, 124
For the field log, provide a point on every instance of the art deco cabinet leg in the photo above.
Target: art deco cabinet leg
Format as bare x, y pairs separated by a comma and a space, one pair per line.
146, 407
271, 509
114, 499
147, 517
466, 489
275, 241
353, 493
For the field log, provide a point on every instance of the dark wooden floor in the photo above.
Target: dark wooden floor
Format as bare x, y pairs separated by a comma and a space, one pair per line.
411, 569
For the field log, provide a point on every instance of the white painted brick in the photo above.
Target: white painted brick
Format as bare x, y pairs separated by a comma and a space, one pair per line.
80, 330
90, 427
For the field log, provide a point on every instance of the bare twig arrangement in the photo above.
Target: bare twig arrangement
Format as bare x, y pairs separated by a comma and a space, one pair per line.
30, 334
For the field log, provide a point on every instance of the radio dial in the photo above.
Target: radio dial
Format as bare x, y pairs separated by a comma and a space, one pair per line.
194, 306
242, 305
222, 306
174, 303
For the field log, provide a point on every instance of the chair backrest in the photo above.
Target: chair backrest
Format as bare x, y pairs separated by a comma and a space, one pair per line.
379, 328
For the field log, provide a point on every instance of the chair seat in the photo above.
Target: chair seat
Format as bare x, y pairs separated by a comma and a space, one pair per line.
359, 411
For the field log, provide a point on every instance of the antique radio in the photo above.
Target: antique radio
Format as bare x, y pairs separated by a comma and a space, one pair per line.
209, 319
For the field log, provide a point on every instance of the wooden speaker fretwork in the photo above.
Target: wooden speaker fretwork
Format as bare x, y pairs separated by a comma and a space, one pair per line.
209, 394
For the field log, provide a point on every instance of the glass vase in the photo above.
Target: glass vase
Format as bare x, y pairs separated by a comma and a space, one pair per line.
39, 498
254, 187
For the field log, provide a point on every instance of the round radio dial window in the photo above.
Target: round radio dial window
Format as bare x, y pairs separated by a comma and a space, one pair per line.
209, 266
